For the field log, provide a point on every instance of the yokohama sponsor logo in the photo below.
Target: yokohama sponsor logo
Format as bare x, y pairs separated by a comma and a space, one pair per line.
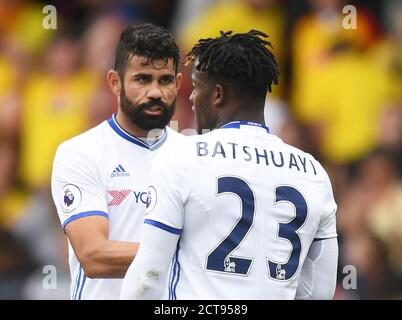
118, 196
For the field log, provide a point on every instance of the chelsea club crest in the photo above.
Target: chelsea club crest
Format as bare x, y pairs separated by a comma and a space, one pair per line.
151, 199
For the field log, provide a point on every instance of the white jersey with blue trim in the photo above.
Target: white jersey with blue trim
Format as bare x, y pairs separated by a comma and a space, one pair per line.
103, 172
247, 207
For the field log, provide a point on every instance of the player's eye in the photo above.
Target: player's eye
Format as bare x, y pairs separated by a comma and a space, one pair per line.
142, 78
167, 79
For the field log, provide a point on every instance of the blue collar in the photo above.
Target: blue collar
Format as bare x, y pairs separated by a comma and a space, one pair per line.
125, 135
237, 124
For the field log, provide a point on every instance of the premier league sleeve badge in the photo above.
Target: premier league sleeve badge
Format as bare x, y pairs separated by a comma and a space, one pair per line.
70, 198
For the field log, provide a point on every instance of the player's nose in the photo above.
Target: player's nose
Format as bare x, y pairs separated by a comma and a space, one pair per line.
154, 91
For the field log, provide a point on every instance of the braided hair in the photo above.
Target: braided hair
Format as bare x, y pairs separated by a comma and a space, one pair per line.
240, 60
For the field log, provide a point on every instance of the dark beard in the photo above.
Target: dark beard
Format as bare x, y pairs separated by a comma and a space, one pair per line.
142, 120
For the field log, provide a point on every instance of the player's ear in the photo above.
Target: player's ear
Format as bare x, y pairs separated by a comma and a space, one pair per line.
218, 94
114, 81
179, 78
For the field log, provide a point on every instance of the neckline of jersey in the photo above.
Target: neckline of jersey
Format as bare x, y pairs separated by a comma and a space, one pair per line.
129, 137
237, 124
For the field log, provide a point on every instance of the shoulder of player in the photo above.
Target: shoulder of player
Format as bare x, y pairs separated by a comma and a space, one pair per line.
321, 176
190, 144
86, 144
176, 142
177, 149
173, 133
173, 137
211, 135
192, 141
321, 172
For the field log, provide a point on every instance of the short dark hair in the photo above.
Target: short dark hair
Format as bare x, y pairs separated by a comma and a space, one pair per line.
148, 40
241, 60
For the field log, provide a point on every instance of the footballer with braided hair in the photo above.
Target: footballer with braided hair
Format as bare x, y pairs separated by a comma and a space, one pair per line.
240, 67
241, 59
236, 212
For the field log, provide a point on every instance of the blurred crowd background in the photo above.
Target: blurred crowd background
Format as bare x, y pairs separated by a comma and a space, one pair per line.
339, 98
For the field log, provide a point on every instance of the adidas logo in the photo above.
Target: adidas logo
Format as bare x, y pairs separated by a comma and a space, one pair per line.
119, 172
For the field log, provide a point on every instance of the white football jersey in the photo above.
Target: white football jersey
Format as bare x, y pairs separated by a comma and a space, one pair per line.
247, 207
103, 172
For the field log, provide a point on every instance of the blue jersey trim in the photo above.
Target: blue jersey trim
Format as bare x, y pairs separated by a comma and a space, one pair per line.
85, 214
82, 286
125, 135
163, 226
320, 239
238, 124
178, 271
174, 280
171, 278
77, 284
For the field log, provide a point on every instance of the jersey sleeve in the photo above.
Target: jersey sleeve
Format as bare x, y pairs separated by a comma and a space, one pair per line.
318, 275
76, 186
166, 194
146, 277
327, 226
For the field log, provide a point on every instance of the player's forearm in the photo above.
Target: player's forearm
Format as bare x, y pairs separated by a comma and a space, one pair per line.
108, 258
